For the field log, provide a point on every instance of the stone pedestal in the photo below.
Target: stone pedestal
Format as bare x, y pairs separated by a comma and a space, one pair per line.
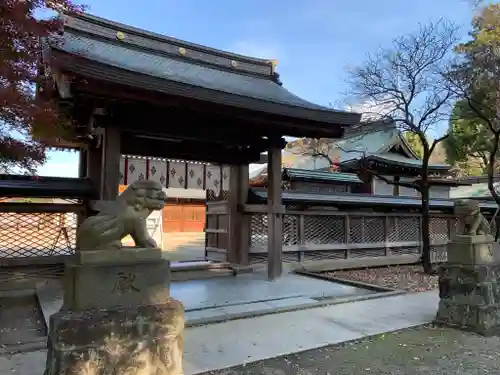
471, 250
469, 286
117, 317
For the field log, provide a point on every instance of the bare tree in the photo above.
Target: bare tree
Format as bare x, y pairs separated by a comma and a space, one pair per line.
407, 81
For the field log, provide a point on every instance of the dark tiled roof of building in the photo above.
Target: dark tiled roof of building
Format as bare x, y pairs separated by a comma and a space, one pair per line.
131, 55
320, 176
258, 195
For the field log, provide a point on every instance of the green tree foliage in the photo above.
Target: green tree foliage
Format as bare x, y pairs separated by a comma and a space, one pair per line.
414, 142
476, 119
470, 141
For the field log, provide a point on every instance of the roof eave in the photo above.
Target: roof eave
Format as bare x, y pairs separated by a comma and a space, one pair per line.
98, 71
307, 175
354, 162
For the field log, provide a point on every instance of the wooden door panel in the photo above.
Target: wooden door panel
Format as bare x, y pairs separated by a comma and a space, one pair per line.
194, 218
179, 217
172, 218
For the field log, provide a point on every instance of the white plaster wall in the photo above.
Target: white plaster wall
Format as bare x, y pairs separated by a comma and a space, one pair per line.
381, 187
439, 192
407, 192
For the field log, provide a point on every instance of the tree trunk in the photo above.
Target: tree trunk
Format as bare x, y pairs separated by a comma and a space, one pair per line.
425, 258
490, 168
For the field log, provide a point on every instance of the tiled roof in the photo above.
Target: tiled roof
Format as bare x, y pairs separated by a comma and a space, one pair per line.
302, 174
391, 157
363, 143
226, 78
291, 197
479, 190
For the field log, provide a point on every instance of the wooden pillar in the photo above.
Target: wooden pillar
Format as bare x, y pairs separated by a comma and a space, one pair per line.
82, 173
94, 162
110, 170
246, 220
239, 224
275, 211
82, 164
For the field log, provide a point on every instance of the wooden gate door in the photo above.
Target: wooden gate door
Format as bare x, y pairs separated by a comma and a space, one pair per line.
172, 217
184, 217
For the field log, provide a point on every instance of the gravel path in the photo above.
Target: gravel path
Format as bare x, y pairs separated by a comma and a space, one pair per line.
409, 278
418, 351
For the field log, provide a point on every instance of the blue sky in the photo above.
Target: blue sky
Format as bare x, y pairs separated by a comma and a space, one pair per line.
314, 41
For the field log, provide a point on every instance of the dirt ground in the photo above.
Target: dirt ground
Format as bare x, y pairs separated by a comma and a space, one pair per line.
419, 351
408, 278
21, 322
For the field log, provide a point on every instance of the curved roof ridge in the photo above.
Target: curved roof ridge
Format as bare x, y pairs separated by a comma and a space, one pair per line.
94, 25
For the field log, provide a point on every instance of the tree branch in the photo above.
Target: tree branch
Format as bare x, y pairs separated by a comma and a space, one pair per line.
436, 141
410, 185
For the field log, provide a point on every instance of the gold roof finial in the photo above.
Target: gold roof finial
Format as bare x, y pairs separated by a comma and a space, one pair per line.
120, 35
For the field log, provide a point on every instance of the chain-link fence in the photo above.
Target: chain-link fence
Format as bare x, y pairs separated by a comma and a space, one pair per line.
37, 234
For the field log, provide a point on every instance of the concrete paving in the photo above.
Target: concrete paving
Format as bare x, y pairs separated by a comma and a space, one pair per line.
190, 245
221, 299
222, 345
222, 292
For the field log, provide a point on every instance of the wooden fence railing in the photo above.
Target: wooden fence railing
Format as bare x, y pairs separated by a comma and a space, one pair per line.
350, 239
333, 238
216, 231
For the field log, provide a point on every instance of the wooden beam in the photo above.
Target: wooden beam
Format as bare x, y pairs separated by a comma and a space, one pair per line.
275, 214
195, 131
212, 153
41, 207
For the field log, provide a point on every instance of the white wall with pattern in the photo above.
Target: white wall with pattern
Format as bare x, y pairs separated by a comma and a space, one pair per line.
175, 173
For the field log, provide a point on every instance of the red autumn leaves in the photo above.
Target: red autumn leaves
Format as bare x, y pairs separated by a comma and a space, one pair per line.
23, 113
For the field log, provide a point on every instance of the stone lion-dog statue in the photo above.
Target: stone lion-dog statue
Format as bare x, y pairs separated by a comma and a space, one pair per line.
471, 221
125, 216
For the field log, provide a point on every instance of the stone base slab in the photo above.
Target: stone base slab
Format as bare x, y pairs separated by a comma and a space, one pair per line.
108, 285
143, 340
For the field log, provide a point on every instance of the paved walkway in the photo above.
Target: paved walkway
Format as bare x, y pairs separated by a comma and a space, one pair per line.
235, 342
223, 298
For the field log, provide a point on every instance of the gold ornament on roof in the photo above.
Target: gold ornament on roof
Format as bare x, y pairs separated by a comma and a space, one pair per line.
182, 51
120, 35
